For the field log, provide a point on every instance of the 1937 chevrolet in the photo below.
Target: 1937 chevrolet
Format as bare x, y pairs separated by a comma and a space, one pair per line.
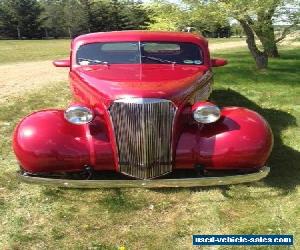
140, 111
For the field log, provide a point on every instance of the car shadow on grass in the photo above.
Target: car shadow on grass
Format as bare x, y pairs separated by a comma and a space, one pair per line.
284, 160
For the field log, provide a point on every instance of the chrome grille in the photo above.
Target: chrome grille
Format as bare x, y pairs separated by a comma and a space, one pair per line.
143, 131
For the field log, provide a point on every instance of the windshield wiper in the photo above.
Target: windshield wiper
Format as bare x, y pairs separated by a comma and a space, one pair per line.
158, 59
93, 61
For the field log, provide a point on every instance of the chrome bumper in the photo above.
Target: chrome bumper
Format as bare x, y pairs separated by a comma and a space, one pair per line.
156, 183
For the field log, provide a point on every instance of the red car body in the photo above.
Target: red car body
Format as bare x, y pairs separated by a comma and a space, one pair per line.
46, 143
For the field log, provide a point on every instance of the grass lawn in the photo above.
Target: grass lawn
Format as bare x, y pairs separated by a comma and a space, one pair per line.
38, 217
33, 50
225, 40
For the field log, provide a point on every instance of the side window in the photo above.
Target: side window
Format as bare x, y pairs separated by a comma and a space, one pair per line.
89, 51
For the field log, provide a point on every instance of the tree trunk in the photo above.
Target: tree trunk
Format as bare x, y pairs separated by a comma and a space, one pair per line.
273, 51
269, 44
261, 60
70, 32
265, 33
19, 32
260, 57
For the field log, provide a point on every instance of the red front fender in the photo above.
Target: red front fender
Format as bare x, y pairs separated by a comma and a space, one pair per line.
45, 142
241, 139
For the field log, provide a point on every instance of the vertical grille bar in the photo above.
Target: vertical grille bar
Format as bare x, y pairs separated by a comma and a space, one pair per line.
143, 131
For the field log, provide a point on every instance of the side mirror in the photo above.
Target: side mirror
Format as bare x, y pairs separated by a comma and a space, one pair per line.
218, 62
62, 63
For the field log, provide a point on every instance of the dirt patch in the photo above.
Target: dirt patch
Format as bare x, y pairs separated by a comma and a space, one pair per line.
19, 78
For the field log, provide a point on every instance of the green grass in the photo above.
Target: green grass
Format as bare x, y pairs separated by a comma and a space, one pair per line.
38, 217
33, 50
225, 40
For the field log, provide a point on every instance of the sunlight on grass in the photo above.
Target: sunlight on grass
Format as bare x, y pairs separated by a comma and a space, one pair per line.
38, 217
33, 50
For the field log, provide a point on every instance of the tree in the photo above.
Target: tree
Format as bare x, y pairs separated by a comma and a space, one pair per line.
257, 18
101, 15
237, 30
108, 15
134, 15
53, 18
87, 8
75, 17
4, 21
177, 17
206, 17
20, 18
60, 18
168, 16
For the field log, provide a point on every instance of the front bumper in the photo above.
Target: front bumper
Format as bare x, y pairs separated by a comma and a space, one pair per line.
156, 183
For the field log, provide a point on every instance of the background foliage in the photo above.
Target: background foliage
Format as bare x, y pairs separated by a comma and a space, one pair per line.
68, 18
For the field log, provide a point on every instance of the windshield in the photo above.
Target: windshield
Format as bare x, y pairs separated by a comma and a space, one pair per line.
139, 52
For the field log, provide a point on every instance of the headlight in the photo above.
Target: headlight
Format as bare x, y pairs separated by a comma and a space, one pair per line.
206, 113
79, 115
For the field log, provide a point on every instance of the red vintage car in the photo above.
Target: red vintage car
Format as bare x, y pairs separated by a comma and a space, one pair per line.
140, 118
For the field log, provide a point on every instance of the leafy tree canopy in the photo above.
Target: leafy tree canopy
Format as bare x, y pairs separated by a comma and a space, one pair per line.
61, 18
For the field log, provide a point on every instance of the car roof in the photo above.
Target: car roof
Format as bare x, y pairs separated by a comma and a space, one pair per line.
139, 35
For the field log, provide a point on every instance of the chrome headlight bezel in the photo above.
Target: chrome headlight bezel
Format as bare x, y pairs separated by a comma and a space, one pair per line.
206, 113
79, 115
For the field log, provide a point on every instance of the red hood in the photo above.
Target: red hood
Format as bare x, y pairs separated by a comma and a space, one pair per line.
141, 80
